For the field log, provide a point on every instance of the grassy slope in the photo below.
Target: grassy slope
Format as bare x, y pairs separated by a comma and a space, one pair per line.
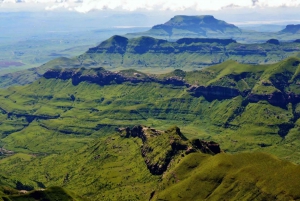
253, 176
112, 168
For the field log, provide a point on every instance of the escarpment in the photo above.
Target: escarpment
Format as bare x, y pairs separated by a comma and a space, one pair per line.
278, 89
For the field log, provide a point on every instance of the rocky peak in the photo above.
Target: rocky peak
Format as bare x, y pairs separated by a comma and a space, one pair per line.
159, 148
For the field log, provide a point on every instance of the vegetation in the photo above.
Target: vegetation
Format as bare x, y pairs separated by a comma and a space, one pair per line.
230, 177
61, 130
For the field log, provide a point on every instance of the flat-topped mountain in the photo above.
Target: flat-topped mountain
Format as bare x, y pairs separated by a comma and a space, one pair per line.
292, 29
197, 26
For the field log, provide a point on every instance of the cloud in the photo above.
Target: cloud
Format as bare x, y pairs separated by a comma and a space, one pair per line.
85, 6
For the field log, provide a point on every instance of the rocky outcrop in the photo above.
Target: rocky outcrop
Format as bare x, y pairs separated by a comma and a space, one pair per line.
174, 80
102, 77
159, 148
97, 76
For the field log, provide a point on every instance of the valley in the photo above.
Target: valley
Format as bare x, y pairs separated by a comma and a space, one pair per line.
185, 111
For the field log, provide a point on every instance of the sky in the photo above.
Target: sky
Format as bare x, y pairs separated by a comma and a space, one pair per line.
239, 12
84, 6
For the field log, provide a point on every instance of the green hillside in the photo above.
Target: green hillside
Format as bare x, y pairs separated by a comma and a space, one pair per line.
74, 128
230, 177
118, 167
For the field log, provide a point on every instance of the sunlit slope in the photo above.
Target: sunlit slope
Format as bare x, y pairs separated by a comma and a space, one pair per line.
253, 176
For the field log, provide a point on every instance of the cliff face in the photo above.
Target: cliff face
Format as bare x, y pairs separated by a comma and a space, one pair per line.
98, 76
214, 92
102, 77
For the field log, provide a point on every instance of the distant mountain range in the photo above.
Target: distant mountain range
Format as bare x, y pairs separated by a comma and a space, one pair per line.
206, 26
157, 55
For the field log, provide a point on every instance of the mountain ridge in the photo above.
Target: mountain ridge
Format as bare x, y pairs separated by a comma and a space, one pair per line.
157, 55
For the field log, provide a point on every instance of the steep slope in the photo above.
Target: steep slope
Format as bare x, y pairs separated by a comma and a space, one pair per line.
230, 177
